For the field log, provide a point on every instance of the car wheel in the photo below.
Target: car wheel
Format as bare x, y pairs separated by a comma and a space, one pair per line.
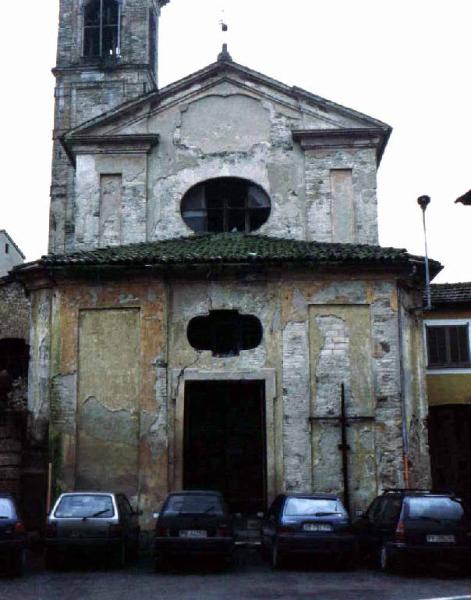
276, 557
17, 563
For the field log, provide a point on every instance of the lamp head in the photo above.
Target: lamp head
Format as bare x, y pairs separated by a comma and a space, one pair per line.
423, 202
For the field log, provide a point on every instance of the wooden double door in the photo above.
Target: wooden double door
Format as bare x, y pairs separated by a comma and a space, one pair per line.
225, 441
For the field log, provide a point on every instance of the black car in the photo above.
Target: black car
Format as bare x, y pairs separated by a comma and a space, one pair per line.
193, 523
81, 522
12, 536
308, 524
415, 523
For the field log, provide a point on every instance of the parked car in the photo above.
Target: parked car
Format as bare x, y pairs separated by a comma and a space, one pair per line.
307, 524
421, 524
12, 536
193, 523
84, 521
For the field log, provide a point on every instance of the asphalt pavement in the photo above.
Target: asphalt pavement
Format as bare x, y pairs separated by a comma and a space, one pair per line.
250, 578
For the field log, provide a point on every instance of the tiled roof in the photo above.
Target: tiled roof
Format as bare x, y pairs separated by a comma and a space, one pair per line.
232, 248
451, 293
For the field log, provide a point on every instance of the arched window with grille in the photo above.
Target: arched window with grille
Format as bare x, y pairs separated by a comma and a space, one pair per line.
101, 29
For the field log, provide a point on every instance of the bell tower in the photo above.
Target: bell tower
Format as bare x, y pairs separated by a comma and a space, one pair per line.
107, 54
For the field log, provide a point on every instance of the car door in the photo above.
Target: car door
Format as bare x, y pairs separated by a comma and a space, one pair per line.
269, 525
130, 518
386, 520
364, 527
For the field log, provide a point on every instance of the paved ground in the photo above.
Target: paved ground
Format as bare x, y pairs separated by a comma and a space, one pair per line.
249, 579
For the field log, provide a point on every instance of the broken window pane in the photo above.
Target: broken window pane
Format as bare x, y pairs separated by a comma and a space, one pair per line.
230, 204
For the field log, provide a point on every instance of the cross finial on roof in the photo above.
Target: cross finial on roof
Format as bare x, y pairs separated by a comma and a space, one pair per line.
224, 54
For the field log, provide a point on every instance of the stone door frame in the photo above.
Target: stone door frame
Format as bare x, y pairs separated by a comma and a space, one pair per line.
176, 431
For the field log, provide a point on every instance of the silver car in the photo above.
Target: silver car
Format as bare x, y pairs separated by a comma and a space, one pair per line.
85, 521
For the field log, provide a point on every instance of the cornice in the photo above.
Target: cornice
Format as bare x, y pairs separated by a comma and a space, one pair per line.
314, 139
134, 143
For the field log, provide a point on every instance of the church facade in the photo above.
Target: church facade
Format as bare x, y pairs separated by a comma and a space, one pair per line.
215, 291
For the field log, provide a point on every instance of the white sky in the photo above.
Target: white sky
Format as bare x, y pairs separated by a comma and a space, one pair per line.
405, 62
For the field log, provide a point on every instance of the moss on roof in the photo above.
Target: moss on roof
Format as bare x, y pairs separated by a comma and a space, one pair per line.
232, 248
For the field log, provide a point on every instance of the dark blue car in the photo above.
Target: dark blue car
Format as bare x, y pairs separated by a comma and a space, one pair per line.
12, 536
308, 524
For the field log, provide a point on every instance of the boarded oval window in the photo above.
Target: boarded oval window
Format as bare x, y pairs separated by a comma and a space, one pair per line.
225, 204
225, 332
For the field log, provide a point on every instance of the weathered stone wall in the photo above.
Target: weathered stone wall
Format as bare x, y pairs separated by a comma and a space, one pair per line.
134, 31
318, 332
414, 389
86, 89
322, 212
230, 130
14, 311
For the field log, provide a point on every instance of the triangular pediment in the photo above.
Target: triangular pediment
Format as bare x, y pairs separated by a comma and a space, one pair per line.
300, 110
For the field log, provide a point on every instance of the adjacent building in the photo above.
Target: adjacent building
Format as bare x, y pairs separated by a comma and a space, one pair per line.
447, 333
10, 254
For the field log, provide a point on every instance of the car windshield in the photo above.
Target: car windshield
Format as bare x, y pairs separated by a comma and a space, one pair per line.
193, 504
85, 505
434, 508
6, 509
312, 507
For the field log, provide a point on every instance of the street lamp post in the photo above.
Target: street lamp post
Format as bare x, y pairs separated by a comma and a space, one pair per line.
423, 202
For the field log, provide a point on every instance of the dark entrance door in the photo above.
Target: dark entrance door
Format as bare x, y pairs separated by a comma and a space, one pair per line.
224, 445
450, 448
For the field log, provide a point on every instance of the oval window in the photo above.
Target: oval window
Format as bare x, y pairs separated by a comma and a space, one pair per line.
226, 204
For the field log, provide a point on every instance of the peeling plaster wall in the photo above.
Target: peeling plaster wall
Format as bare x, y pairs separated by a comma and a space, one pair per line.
414, 389
145, 414
230, 130
319, 201
132, 212
316, 332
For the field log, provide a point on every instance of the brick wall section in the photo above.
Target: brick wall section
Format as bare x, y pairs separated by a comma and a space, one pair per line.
14, 311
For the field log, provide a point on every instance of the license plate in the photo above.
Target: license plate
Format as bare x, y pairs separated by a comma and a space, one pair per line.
441, 539
317, 527
193, 533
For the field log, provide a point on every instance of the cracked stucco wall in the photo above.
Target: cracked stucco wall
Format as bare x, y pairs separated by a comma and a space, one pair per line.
106, 418
228, 130
319, 331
